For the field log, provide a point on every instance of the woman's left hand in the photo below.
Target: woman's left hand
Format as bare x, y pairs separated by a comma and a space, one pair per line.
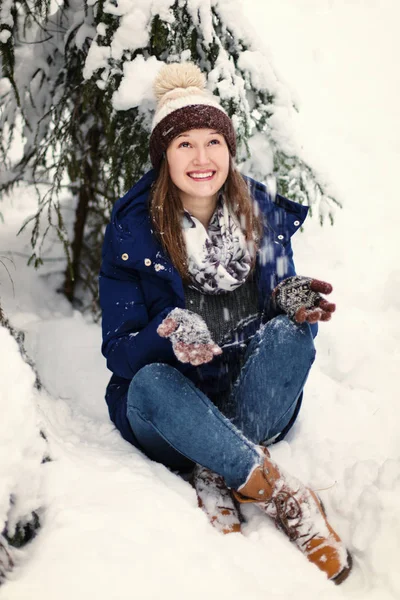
300, 298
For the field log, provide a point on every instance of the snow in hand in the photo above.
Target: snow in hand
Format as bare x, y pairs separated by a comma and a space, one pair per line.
117, 525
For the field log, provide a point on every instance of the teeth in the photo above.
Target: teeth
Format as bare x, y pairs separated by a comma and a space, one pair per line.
201, 175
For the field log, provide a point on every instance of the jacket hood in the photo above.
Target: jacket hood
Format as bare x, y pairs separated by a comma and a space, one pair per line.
134, 205
130, 233
282, 217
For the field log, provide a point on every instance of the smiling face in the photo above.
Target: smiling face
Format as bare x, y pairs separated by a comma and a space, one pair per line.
198, 163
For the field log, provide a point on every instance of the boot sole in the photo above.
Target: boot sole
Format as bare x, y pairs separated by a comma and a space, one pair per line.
343, 575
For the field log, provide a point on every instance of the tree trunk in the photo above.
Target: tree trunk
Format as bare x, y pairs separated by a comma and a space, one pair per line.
81, 213
86, 198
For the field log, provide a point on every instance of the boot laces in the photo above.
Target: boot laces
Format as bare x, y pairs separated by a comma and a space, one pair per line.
289, 516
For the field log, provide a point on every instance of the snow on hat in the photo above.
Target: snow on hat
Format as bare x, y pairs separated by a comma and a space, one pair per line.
184, 103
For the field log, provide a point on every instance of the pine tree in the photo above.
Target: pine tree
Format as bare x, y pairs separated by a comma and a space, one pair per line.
65, 74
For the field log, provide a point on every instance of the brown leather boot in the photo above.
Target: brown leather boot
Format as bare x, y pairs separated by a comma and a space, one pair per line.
298, 512
216, 500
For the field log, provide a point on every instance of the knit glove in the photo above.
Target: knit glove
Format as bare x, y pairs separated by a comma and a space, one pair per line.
300, 299
190, 337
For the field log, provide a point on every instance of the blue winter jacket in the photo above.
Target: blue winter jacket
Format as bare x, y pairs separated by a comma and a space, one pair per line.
139, 286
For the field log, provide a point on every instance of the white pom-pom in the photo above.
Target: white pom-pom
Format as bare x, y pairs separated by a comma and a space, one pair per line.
178, 75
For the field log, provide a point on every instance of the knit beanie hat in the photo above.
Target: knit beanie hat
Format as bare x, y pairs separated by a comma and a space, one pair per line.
184, 103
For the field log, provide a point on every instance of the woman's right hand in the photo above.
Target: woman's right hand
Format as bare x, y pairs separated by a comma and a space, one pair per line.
190, 337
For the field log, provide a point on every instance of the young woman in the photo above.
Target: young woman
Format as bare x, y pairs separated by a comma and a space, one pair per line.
206, 327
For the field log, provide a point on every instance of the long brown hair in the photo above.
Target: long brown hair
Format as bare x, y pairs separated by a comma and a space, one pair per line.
166, 211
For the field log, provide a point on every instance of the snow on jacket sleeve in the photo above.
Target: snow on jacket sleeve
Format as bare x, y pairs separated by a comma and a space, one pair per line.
130, 339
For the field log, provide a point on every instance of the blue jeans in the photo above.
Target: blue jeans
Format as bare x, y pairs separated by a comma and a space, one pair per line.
176, 424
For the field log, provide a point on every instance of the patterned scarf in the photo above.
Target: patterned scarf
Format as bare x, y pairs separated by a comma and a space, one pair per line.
218, 258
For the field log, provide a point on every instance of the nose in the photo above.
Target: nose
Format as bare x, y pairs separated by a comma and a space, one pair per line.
201, 155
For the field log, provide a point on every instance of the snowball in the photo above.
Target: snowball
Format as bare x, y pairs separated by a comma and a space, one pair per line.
137, 82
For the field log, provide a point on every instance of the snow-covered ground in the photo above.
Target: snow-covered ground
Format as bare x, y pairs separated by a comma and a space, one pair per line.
117, 525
